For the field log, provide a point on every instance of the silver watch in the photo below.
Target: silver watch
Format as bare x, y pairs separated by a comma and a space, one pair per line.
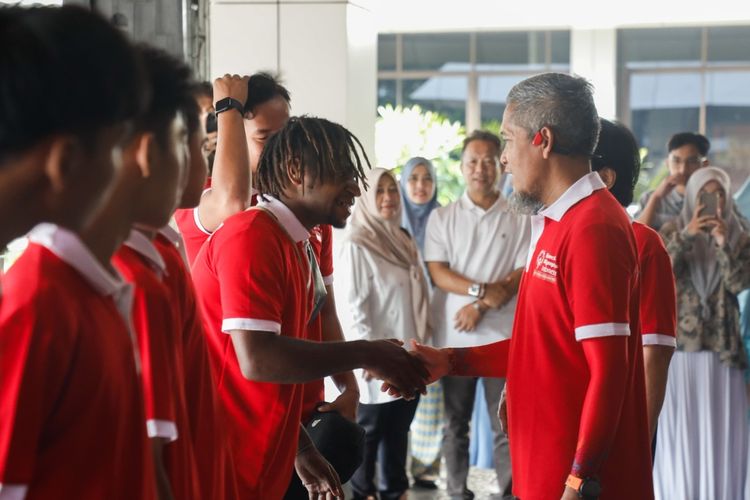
475, 289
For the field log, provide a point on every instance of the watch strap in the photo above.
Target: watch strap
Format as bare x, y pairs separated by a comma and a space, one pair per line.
228, 103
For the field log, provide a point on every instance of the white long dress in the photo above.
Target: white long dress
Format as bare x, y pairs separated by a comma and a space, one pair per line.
702, 440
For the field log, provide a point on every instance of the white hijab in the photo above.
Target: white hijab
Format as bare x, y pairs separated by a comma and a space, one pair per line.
702, 261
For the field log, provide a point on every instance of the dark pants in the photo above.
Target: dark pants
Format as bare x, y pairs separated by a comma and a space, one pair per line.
459, 395
386, 442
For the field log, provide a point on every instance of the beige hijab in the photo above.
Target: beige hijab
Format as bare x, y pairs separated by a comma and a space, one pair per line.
386, 239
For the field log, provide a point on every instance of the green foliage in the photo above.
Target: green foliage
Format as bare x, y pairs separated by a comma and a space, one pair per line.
651, 175
402, 133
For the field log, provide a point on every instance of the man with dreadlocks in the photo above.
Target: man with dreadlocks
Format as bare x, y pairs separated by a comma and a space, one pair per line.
258, 281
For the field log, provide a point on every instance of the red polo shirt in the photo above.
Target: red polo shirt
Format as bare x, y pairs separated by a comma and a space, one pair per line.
580, 284
252, 274
159, 336
207, 427
71, 415
658, 303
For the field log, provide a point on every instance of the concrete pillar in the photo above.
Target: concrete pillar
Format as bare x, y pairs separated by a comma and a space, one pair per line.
593, 55
325, 52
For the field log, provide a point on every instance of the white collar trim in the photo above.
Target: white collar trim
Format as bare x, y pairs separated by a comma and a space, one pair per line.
581, 189
286, 217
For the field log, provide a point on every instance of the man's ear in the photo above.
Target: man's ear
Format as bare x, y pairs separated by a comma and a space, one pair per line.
294, 172
548, 141
144, 150
61, 159
608, 176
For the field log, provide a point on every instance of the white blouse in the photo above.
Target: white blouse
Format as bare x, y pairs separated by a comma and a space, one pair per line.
379, 301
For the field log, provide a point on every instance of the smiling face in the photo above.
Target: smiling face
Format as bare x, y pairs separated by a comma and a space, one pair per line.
331, 201
480, 167
387, 197
420, 186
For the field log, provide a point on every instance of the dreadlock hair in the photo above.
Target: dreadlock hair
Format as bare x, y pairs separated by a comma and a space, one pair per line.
324, 149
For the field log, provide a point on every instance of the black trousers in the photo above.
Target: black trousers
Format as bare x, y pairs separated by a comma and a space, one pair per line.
386, 442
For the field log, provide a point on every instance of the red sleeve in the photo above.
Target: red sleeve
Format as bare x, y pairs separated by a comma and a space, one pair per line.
155, 328
658, 309
36, 350
192, 231
249, 265
326, 254
599, 272
489, 360
607, 360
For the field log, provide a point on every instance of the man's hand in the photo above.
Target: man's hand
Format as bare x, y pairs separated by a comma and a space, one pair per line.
346, 404
317, 475
234, 86
392, 363
497, 294
502, 413
467, 318
437, 361
667, 185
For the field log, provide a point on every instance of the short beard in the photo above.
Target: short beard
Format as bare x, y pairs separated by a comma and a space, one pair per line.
524, 204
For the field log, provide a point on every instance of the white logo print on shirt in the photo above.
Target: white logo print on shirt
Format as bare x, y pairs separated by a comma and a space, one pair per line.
546, 266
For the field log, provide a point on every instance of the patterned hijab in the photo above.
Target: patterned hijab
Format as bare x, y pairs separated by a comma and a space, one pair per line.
702, 261
415, 216
385, 238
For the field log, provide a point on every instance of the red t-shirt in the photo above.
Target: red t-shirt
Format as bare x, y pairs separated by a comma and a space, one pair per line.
159, 336
321, 239
189, 223
250, 275
207, 428
71, 414
580, 283
658, 301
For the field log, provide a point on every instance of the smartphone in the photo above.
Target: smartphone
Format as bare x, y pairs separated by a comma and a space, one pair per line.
211, 125
710, 202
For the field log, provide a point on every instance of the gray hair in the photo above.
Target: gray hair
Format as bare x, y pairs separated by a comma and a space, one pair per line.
562, 102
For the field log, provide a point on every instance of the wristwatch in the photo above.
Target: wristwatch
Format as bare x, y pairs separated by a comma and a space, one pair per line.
588, 488
476, 290
228, 103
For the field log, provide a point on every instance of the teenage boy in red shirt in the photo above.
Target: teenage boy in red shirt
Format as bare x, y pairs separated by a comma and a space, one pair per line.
72, 398
258, 283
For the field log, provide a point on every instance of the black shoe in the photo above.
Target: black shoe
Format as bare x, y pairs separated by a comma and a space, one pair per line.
425, 484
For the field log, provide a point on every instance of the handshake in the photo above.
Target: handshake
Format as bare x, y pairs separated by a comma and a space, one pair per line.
407, 373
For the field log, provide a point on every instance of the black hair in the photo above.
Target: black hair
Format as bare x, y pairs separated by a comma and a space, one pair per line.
701, 143
204, 89
324, 149
482, 135
261, 88
617, 149
172, 90
63, 70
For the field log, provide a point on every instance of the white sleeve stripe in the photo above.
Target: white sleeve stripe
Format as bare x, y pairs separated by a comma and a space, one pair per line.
659, 339
161, 429
13, 491
602, 330
262, 325
328, 280
197, 220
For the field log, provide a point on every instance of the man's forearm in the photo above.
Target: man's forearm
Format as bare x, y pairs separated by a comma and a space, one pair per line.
656, 360
489, 360
514, 280
332, 332
448, 280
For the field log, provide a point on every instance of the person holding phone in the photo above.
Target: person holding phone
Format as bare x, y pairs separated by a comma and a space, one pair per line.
703, 434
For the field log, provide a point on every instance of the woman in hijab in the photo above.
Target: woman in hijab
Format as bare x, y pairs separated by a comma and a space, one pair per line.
419, 185
388, 298
701, 450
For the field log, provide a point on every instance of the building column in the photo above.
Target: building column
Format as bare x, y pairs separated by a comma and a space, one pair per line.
593, 55
325, 52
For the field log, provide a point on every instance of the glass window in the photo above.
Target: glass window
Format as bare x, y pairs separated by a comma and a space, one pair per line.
560, 50
662, 104
493, 91
386, 92
729, 44
443, 94
728, 121
387, 52
445, 51
663, 47
510, 50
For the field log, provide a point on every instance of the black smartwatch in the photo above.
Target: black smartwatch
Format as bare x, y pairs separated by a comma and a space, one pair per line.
587, 488
228, 103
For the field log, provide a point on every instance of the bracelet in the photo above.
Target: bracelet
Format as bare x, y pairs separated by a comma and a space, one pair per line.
482, 290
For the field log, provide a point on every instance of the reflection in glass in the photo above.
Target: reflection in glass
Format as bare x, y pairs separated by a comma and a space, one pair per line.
387, 52
510, 50
660, 48
435, 51
729, 44
443, 94
493, 91
386, 92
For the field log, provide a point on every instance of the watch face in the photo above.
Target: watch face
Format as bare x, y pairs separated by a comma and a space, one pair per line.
591, 488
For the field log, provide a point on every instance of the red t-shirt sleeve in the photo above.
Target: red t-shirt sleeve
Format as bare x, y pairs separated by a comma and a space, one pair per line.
489, 360
658, 309
326, 254
249, 266
36, 350
599, 271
